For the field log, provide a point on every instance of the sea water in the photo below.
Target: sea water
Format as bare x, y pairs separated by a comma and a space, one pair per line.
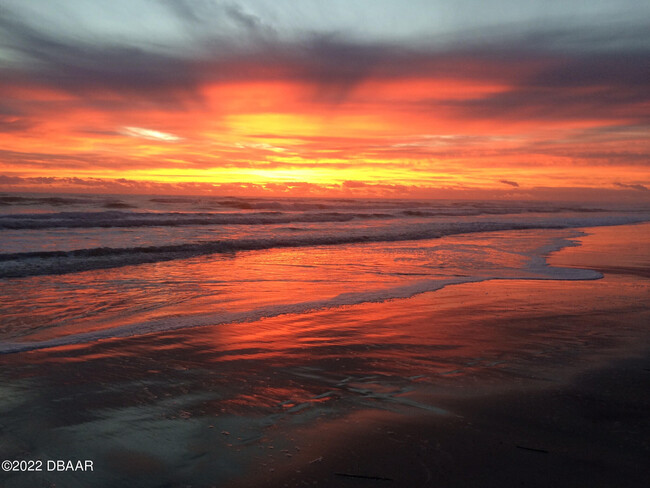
78, 268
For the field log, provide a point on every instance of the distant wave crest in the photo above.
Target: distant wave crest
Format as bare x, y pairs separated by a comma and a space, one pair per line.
22, 264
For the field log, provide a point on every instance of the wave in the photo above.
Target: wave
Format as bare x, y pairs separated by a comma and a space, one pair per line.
345, 299
475, 210
52, 201
174, 323
433, 207
109, 219
23, 264
275, 213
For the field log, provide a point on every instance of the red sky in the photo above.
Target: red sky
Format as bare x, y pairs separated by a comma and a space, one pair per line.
515, 115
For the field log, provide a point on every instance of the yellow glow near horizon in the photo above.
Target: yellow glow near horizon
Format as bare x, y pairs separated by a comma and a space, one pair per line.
382, 133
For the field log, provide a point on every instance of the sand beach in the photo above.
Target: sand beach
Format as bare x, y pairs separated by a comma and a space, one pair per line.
496, 383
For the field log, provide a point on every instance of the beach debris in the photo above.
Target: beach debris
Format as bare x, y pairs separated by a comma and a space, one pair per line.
319, 459
534, 449
455, 371
324, 395
363, 476
225, 432
298, 407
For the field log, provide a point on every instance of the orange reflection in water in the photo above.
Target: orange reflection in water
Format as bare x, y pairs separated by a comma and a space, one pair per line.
624, 248
237, 392
372, 354
43, 308
475, 336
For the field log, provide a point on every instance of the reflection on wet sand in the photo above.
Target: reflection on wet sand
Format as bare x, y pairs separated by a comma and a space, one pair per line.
211, 405
42, 308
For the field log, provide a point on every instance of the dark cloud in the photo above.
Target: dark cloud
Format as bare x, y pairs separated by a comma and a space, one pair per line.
570, 87
11, 180
205, 17
332, 62
632, 187
509, 182
13, 120
244, 19
616, 69
552, 73
531, 103
95, 183
82, 67
335, 66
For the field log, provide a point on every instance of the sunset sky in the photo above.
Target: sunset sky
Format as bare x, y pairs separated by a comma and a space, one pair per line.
419, 98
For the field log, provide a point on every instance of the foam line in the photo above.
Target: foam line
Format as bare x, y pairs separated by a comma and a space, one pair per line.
18, 265
345, 299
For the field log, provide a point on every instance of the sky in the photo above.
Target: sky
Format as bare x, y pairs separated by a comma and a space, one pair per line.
367, 98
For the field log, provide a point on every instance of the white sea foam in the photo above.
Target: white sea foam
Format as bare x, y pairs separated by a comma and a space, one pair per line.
535, 264
67, 235
44, 262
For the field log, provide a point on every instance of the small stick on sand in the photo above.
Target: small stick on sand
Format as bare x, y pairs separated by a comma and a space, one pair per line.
362, 476
533, 449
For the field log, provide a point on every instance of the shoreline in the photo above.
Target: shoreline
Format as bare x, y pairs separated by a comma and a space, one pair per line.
490, 383
589, 428
407, 291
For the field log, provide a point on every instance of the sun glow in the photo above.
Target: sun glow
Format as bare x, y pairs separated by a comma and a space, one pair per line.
456, 123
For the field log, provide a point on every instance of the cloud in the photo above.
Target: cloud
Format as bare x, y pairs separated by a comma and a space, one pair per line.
152, 135
259, 145
80, 67
11, 180
502, 96
301, 188
210, 17
509, 182
354, 184
567, 86
632, 187
14, 124
333, 62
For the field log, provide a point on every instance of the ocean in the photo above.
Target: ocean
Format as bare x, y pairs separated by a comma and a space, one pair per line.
80, 268
217, 341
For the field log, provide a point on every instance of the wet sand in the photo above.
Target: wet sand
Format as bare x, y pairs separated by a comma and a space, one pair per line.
500, 383
593, 431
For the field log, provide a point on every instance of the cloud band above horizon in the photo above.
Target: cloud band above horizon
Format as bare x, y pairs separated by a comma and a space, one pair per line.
261, 93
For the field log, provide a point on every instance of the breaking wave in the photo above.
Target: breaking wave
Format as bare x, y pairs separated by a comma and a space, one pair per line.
23, 264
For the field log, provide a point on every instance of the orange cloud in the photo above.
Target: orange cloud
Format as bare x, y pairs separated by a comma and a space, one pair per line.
328, 118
